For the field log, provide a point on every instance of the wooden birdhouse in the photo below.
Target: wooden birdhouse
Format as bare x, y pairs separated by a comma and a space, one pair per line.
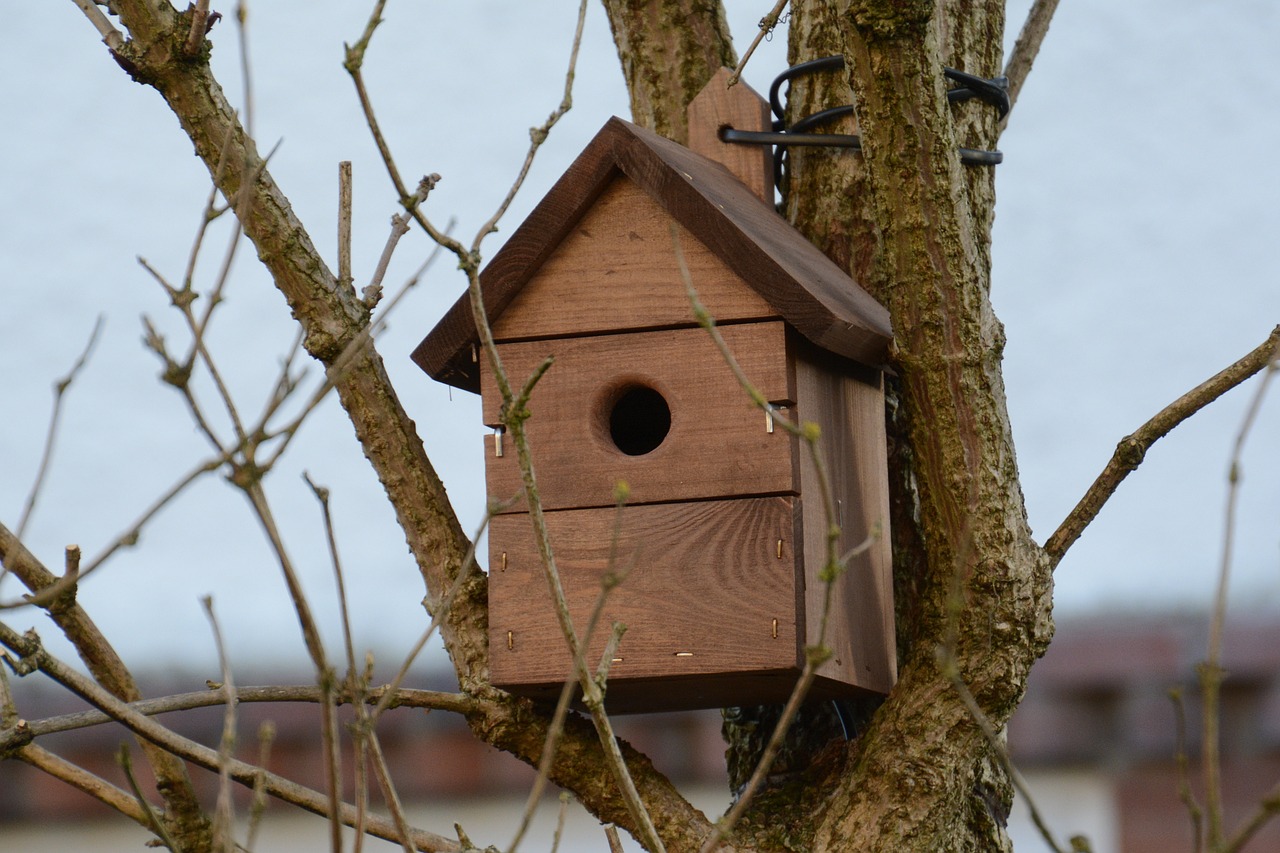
724, 533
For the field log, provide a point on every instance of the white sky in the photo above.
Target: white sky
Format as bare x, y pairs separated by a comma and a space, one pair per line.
1135, 250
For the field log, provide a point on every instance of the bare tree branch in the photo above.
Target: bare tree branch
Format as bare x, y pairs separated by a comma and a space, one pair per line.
14, 735
51, 436
1267, 809
1188, 797
767, 23
224, 812
125, 761
1131, 449
109, 670
31, 656
1023, 56
82, 780
1211, 672
111, 37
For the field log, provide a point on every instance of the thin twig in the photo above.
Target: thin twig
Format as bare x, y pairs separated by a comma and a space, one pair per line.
1023, 56
199, 25
353, 62
33, 656
389, 794
949, 665
347, 359
258, 807
1185, 793
111, 37
608, 582
767, 23
353, 681
51, 436
13, 736
399, 227
592, 696
947, 661
315, 648
1267, 809
538, 135
224, 813
1131, 449
322, 496
549, 745
130, 536
565, 798
153, 820
344, 224
815, 655
1211, 672
439, 610
469, 261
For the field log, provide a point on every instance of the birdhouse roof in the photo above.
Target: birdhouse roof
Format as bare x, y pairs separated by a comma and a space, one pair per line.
806, 289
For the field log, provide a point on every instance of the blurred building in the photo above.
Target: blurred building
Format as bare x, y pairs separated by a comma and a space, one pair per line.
1096, 737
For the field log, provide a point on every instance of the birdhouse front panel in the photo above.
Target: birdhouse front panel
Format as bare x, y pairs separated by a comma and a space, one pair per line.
661, 411
707, 590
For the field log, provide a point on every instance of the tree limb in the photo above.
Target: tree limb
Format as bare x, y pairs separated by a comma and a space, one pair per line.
1034, 29
1130, 451
311, 694
33, 656
110, 671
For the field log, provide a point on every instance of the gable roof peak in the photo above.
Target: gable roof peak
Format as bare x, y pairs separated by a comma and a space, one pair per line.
806, 289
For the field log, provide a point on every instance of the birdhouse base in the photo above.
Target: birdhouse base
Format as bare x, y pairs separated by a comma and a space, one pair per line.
689, 692
711, 595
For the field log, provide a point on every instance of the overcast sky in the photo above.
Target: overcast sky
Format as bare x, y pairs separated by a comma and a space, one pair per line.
1136, 253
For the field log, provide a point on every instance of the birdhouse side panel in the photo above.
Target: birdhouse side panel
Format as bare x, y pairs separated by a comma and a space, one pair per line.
847, 403
617, 269
704, 588
706, 438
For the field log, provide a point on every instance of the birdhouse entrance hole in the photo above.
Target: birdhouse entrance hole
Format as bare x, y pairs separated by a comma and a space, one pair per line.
639, 420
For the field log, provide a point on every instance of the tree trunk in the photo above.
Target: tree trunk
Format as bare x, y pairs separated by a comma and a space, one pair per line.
912, 225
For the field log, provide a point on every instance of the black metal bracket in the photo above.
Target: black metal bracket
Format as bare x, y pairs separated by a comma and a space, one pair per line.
994, 91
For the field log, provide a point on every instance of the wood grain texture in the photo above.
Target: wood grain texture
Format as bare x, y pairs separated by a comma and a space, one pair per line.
785, 270
848, 406
705, 585
742, 108
717, 446
615, 270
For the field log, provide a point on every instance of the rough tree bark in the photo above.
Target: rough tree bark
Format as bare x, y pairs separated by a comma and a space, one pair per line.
913, 226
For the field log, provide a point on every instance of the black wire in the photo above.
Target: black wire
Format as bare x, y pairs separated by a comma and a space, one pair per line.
783, 139
993, 91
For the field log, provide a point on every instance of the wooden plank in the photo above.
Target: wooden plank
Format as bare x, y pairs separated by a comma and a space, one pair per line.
616, 270
704, 586
717, 444
847, 403
740, 107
